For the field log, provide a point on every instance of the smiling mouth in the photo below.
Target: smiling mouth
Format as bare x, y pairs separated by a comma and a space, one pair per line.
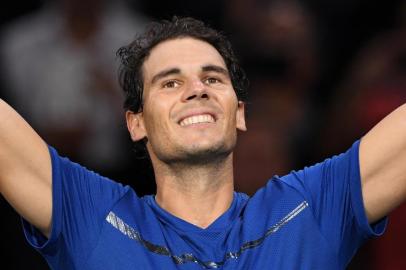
197, 119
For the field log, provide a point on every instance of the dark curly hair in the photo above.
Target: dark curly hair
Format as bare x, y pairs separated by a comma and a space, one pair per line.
133, 56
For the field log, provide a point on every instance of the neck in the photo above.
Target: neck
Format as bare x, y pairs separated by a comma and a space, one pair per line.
197, 193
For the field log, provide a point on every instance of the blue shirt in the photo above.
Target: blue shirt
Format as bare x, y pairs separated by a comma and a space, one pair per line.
308, 219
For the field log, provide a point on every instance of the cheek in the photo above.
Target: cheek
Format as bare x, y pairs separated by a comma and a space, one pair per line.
150, 114
232, 107
156, 115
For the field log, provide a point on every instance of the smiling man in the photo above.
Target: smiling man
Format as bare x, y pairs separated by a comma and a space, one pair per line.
185, 96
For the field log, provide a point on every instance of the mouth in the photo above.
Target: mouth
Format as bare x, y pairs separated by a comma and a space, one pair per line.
197, 119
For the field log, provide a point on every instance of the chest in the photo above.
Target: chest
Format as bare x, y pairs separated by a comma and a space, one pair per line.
291, 241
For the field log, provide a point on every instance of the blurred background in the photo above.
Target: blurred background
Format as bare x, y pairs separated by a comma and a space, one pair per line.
322, 73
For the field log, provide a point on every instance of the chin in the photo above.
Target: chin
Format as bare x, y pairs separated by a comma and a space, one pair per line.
207, 153
195, 152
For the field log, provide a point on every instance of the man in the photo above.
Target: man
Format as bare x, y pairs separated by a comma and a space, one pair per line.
184, 100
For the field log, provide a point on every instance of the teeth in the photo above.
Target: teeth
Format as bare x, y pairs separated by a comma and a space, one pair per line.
196, 119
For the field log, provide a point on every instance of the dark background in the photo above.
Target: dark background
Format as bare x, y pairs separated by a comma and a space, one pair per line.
332, 104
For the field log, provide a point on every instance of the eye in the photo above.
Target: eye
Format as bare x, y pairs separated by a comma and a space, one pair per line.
211, 80
171, 84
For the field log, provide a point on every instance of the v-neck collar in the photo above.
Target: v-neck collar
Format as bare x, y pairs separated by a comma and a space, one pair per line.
223, 221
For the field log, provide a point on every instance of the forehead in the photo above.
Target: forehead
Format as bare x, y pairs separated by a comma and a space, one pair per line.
183, 53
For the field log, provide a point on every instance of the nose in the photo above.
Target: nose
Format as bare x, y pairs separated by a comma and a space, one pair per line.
195, 90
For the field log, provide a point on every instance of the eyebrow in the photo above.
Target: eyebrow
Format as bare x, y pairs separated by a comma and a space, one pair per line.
216, 68
165, 73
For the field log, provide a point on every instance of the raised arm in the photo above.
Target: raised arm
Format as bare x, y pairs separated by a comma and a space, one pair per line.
383, 165
25, 169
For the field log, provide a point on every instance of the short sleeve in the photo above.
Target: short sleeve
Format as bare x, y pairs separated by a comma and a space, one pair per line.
81, 199
333, 191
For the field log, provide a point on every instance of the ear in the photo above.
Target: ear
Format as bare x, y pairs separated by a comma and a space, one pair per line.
135, 125
240, 116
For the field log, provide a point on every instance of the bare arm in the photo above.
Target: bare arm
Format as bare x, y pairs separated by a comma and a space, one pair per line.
25, 169
383, 165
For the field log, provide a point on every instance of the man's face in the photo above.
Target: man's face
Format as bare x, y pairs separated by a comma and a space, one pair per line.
190, 112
